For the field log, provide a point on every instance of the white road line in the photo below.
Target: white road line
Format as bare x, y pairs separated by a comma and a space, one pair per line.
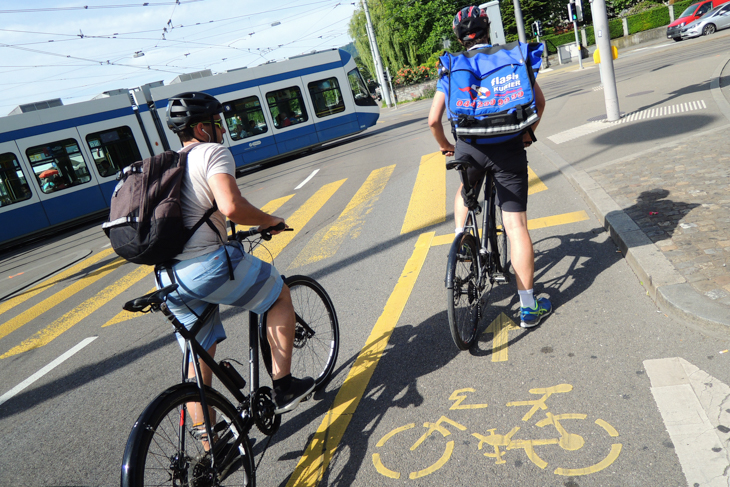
12, 392
307, 180
694, 407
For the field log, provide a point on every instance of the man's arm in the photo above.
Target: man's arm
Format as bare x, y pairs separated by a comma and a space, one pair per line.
438, 107
235, 207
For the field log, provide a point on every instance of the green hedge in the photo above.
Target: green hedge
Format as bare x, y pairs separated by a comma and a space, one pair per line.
679, 7
649, 19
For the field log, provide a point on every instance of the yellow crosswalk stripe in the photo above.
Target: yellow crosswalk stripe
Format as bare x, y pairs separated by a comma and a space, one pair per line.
428, 199
73, 317
35, 290
297, 221
30, 314
548, 221
349, 224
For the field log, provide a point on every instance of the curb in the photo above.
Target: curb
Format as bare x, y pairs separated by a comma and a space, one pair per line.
666, 287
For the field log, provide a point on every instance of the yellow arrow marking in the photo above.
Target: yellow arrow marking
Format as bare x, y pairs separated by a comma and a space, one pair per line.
321, 449
499, 328
428, 198
65, 322
297, 221
328, 240
35, 290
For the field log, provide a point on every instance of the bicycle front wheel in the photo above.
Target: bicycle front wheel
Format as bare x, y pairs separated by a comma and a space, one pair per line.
462, 291
167, 446
317, 334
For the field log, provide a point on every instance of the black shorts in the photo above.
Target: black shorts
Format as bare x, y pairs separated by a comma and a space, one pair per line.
508, 161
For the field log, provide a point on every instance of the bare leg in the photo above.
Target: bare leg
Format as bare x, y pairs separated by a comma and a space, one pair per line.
194, 409
460, 210
523, 256
280, 327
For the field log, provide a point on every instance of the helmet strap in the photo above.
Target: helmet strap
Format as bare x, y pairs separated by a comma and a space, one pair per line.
212, 127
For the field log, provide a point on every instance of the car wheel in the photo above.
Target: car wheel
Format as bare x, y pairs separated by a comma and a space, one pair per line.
677, 39
709, 29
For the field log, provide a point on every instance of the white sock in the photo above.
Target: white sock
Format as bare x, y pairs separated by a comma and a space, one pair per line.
527, 300
459, 230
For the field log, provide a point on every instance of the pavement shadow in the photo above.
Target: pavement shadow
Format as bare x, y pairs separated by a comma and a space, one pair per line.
423, 347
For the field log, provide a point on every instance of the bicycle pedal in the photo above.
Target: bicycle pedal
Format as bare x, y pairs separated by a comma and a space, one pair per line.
500, 278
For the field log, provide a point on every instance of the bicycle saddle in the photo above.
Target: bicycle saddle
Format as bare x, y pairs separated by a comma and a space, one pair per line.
459, 164
151, 300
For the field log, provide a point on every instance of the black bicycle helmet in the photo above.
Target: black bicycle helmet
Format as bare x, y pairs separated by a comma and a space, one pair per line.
471, 23
188, 108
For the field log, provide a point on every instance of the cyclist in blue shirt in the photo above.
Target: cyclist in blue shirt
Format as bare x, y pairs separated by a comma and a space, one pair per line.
507, 159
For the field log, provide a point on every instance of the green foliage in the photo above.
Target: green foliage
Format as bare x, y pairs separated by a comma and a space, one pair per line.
680, 7
648, 19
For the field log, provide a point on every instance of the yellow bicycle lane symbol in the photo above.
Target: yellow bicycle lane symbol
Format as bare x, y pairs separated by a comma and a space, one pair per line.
499, 443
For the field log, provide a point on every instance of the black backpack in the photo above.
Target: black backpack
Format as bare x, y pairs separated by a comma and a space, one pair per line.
145, 223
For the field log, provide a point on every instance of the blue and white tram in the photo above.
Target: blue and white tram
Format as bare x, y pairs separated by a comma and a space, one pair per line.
282, 108
58, 165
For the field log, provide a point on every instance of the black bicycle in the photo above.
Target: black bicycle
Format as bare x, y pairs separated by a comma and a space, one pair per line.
476, 262
191, 435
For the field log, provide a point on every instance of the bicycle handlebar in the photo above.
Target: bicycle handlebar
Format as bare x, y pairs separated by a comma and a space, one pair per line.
265, 233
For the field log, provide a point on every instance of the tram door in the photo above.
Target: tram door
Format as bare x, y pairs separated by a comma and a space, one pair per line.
20, 205
69, 188
333, 116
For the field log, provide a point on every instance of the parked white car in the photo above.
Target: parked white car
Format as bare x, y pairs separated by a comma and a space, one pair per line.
712, 21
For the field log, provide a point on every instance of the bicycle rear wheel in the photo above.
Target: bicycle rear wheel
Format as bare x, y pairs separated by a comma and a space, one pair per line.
501, 243
165, 449
462, 291
317, 335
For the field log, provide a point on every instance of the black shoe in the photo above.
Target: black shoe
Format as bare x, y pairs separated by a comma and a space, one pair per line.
289, 399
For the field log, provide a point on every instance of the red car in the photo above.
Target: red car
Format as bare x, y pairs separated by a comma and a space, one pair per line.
693, 12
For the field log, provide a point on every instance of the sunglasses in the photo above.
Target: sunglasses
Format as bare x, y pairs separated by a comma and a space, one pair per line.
217, 123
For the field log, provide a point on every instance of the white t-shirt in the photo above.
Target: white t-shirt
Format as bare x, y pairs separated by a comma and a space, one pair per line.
204, 161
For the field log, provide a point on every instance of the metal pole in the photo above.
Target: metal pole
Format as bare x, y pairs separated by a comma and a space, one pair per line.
603, 43
520, 22
390, 84
577, 44
376, 56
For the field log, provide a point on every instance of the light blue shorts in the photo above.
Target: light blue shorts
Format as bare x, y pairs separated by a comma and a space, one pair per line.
205, 279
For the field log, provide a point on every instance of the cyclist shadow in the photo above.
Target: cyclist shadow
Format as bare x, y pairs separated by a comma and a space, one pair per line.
565, 267
413, 351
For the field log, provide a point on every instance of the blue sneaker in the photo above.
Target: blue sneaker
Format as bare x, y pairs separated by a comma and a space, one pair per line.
532, 316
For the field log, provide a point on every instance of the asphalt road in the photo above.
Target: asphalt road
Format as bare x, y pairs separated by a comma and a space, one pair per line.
413, 397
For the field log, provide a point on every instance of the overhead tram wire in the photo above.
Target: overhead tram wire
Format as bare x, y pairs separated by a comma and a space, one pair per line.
98, 7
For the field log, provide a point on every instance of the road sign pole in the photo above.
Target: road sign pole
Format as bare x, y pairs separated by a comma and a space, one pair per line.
603, 43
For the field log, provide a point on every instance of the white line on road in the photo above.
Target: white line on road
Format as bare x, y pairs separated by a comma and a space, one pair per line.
694, 407
8, 395
307, 180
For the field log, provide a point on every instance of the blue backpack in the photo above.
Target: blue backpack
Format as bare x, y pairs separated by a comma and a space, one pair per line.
489, 92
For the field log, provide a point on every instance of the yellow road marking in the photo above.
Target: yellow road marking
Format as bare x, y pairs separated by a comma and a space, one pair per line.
534, 184
321, 449
125, 315
499, 328
428, 198
439, 463
65, 322
297, 221
35, 290
328, 240
548, 221
30, 314
612, 456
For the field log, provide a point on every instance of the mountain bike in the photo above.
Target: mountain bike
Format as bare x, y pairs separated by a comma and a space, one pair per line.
191, 434
476, 261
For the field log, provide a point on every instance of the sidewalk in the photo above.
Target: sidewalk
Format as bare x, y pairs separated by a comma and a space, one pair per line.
668, 210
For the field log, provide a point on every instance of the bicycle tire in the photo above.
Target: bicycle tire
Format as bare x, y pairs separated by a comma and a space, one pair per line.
153, 455
315, 353
462, 291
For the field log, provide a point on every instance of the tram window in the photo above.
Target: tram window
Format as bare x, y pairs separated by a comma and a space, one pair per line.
58, 165
287, 107
245, 118
326, 97
113, 150
13, 185
359, 89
